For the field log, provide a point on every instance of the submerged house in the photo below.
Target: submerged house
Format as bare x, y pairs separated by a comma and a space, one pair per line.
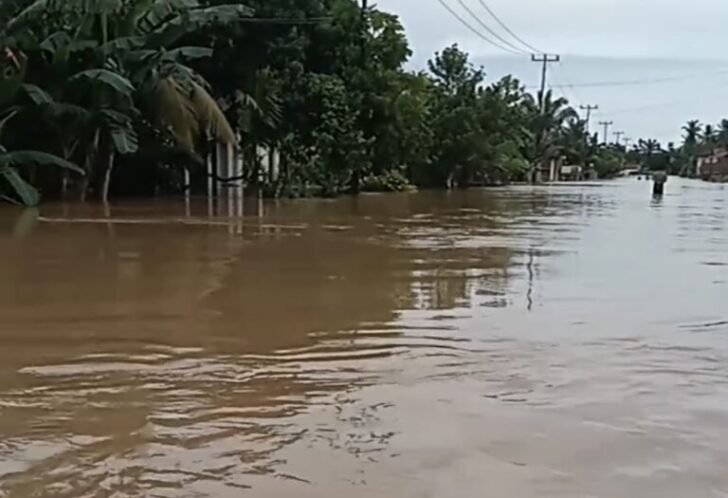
713, 165
558, 171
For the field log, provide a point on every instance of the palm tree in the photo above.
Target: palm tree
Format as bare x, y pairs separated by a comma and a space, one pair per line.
575, 140
648, 149
723, 132
693, 133
710, 134
546, 123
691, 138
710, 139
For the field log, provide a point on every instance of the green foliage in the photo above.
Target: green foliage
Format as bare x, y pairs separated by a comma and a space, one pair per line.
91, 76
608, 162
11, 161
389, 181
323, 85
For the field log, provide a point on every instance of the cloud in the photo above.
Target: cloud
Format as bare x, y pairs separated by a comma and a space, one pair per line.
600, 41
615, 28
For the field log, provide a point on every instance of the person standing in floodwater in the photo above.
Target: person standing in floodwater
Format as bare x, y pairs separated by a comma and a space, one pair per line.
659, 179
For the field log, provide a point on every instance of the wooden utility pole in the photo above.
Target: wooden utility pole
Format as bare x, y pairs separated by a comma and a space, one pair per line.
618, 136
544, 59
588, 109
627, 141
606, 125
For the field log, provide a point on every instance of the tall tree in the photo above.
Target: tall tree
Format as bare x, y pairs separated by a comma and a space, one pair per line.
546, 124
693, 133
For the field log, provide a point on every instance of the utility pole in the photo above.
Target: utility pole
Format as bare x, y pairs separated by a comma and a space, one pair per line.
606, 125
544, 59
627, 141
588, 109
618, 136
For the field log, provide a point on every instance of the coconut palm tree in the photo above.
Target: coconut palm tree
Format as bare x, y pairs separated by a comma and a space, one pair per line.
648, 150
723, 132
710, 139
710, 134
693, 132
546, 124
575, 140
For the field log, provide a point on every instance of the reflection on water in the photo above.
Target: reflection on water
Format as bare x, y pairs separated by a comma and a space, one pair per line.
555, 341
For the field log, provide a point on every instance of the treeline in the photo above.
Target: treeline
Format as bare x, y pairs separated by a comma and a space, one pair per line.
121, 97
681, 159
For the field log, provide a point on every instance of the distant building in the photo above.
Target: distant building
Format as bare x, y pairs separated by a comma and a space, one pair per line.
713, 165
571, 173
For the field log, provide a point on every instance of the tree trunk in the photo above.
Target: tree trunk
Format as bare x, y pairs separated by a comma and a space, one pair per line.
89, 166
108, 170
283, 173
64, 184
83, 188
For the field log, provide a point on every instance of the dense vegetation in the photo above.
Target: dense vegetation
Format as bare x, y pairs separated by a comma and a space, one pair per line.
123, 96
697, 140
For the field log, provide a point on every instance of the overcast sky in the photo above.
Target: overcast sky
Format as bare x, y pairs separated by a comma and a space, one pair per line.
676, 49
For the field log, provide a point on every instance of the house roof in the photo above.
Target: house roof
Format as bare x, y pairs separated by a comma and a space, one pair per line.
717, 152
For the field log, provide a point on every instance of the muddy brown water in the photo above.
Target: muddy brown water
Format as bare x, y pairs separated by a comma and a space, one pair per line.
553, 341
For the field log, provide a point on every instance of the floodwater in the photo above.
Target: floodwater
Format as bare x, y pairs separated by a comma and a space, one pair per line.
564, 341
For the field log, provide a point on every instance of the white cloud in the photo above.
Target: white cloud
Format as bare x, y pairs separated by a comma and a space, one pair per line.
600, 40
615, 28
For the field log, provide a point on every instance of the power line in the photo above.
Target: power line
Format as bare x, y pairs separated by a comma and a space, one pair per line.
507, 29
629, 110
488, 28
570, 96
606, 125
477, 32
668, 104
645, 80
558, 76
588, 108
545, 59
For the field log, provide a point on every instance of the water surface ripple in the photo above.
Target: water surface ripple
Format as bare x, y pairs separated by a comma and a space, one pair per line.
527, 341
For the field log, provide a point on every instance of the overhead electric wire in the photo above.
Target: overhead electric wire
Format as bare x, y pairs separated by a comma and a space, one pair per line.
507, 29
562, 76
629, 110
476, 31
572, 95
489, 29
643, 81
720, 87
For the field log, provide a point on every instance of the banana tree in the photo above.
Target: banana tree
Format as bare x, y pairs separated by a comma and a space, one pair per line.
133, 72
10, 162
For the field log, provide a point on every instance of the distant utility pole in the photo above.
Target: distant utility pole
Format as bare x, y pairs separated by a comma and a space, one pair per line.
588, 109
606, 125
627, 141
544, 59
618, 136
